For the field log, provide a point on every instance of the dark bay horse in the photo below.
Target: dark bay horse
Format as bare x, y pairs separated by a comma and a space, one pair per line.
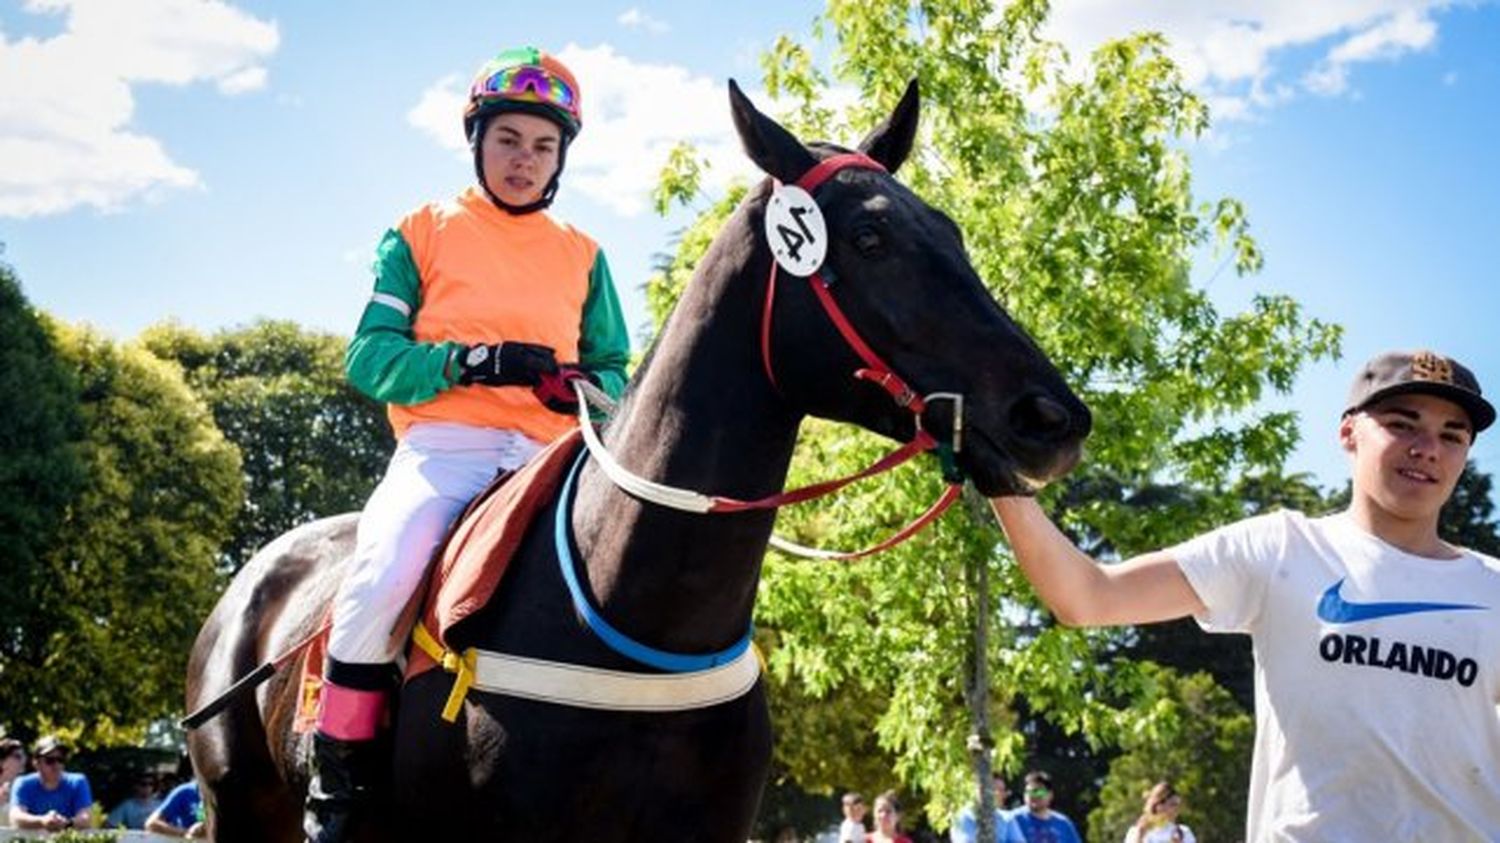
716, 407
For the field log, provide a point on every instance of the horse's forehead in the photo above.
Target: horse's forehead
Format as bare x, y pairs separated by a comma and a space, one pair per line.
877, 203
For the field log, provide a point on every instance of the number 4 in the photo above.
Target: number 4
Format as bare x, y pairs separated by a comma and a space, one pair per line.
792, 239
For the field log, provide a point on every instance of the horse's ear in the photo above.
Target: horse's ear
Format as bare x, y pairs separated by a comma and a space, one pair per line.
771, 147
891, 141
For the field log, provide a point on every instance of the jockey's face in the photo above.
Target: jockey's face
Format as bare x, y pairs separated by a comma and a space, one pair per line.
520, 156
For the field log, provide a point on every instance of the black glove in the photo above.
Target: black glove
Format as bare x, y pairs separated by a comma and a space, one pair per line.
556, 390
506, 364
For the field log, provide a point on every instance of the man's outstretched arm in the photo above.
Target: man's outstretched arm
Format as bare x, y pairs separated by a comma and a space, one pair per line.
1081, 592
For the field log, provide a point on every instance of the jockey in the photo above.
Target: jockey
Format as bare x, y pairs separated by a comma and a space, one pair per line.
484, 308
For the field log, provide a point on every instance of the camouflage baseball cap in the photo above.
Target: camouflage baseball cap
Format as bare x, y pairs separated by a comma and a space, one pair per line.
1420, 372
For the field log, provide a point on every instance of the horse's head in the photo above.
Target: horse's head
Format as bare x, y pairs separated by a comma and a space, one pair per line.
896, 269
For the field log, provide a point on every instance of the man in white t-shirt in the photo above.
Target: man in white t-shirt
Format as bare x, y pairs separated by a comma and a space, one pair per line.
1377, 644
852, 829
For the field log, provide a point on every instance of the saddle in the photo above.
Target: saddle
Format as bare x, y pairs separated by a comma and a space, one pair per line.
466, 571
466, 568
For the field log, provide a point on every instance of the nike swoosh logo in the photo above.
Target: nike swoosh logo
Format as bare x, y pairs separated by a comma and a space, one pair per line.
1333, 608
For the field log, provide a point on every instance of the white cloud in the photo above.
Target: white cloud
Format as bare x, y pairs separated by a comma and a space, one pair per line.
244, 81
66, 101
634, 18
1406, 31
439, 112
633, 114
1237, 52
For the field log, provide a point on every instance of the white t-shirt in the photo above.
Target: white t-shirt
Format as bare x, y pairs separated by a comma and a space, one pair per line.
851, 831
1377, 679
1168, 833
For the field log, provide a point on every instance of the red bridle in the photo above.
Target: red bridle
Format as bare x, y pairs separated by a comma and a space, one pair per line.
875, 371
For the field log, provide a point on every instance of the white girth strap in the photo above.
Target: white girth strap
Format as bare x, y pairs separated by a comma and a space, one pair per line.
614, 690
588, 687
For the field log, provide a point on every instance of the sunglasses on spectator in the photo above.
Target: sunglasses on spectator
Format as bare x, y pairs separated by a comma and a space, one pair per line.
53, 759
1038, 791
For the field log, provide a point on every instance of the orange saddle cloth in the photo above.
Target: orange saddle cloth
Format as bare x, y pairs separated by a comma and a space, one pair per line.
470, 564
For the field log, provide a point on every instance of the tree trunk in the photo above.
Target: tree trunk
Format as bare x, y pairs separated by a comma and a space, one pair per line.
981, 742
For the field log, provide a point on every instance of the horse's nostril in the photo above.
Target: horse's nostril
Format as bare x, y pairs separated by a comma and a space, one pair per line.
1038, 417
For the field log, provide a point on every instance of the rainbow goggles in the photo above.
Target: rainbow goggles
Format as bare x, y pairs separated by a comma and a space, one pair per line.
528, 83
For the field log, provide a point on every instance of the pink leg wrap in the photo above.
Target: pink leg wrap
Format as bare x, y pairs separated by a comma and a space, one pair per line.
350, 715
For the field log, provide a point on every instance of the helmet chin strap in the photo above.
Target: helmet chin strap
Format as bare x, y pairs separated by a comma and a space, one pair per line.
548, 192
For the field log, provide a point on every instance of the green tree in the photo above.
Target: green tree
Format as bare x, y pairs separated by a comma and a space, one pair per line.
1200, 741
40, 469
1080, 215
1468, 518
310, 445
114, 611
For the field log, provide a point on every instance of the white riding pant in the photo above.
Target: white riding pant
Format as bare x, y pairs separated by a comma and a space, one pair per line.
436, 470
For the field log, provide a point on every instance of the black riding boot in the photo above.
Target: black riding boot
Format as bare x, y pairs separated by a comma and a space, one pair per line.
342, 787
347, 769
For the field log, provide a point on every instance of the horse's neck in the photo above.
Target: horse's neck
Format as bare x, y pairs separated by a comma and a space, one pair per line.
702, 416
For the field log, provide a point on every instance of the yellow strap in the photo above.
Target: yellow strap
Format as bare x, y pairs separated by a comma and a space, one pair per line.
452, 662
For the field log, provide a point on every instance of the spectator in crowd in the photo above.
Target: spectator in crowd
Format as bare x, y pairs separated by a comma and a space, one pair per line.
1158, 821
51, 799
888, 820
181, 815
966, 826
12, 763
1038, 822
852, 829
132, 811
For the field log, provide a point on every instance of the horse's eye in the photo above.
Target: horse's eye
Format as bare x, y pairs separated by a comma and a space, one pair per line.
869, 242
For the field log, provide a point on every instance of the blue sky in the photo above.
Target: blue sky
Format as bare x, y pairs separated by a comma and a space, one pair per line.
216, 162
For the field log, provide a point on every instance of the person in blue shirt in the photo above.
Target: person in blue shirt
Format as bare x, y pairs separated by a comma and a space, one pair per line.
181, 815
966, 825
1038, 822
51, 799
132, 811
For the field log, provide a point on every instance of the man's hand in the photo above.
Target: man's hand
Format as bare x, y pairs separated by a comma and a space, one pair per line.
556, 390
53, 821
506, 364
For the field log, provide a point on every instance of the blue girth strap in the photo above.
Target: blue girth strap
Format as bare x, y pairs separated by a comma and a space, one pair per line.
615, 639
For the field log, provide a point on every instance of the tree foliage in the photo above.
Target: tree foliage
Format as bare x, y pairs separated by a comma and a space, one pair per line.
1199, 742
40, 468
1074, 193
310, 444
102, 645
1468, 518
